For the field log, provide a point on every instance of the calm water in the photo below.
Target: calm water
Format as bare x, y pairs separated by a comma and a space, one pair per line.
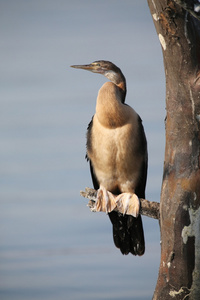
51, 245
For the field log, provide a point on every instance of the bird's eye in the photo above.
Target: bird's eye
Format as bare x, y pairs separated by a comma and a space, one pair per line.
98, 65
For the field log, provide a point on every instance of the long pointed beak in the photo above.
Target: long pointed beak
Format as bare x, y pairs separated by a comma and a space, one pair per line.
85, 67
91, 67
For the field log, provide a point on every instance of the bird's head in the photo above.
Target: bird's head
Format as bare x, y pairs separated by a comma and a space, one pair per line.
106, 68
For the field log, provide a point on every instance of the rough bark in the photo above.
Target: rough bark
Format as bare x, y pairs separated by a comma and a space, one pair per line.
179, 35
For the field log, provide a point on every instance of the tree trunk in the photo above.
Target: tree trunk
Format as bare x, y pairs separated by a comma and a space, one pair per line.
179, 35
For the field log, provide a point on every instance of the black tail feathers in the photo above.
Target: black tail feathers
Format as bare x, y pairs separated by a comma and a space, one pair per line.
128, 233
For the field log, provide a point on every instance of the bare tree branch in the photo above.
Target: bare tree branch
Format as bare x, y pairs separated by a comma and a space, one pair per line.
147, 208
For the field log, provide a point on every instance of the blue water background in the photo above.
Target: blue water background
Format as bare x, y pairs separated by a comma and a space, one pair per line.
51, 245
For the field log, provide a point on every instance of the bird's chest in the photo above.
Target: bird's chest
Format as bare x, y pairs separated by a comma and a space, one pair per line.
112, 151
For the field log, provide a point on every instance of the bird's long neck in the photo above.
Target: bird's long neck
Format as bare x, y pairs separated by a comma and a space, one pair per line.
119, 80
110, 110
122, 90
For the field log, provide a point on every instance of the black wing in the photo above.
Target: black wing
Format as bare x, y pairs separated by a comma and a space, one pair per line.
89, 147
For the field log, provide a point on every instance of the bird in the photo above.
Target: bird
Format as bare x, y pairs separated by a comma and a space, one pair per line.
116, 149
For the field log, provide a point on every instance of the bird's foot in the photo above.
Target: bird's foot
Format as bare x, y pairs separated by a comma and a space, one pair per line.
105, 200
128, 203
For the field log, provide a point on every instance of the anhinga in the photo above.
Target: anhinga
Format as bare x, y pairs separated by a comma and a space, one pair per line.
117, 152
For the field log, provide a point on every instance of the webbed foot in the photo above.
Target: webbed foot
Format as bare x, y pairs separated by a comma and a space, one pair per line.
128, 203
105, 200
